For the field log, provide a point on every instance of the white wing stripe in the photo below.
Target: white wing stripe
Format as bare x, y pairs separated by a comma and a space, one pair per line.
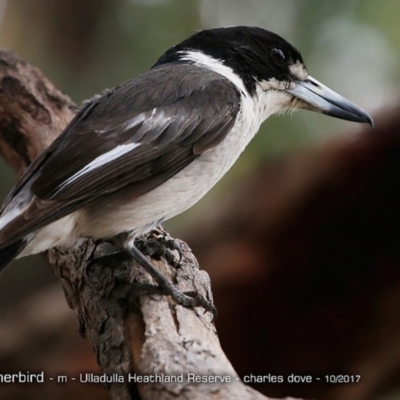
100, 161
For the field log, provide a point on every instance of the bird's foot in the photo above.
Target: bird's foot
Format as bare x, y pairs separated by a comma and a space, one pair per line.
193, 299
160, 247
184, 299
166, 287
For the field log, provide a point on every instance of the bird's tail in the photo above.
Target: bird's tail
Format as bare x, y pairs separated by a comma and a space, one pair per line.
9, 252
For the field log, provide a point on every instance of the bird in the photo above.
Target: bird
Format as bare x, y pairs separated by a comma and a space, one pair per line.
149, 149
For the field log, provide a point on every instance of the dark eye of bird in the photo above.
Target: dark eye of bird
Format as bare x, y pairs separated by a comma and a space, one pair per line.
278, 56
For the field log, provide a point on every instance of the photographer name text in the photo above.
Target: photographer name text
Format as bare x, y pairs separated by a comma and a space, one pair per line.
27, 377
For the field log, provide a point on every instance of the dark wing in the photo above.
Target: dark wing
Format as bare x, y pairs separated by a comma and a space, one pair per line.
138, 135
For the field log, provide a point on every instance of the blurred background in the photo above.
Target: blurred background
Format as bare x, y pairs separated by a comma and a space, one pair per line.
85, 46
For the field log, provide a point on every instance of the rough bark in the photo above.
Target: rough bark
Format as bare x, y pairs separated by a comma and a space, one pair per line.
130, 333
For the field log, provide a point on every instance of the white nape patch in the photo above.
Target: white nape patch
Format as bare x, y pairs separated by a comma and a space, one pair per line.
101, 160
299, 71
203, 60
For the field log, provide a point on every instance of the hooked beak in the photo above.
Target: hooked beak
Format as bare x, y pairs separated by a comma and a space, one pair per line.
320, 98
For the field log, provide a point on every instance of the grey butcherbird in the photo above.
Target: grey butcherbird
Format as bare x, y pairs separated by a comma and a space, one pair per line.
150, 148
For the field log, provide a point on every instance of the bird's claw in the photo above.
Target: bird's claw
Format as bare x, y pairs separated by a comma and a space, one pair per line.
160, 247
185, 299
